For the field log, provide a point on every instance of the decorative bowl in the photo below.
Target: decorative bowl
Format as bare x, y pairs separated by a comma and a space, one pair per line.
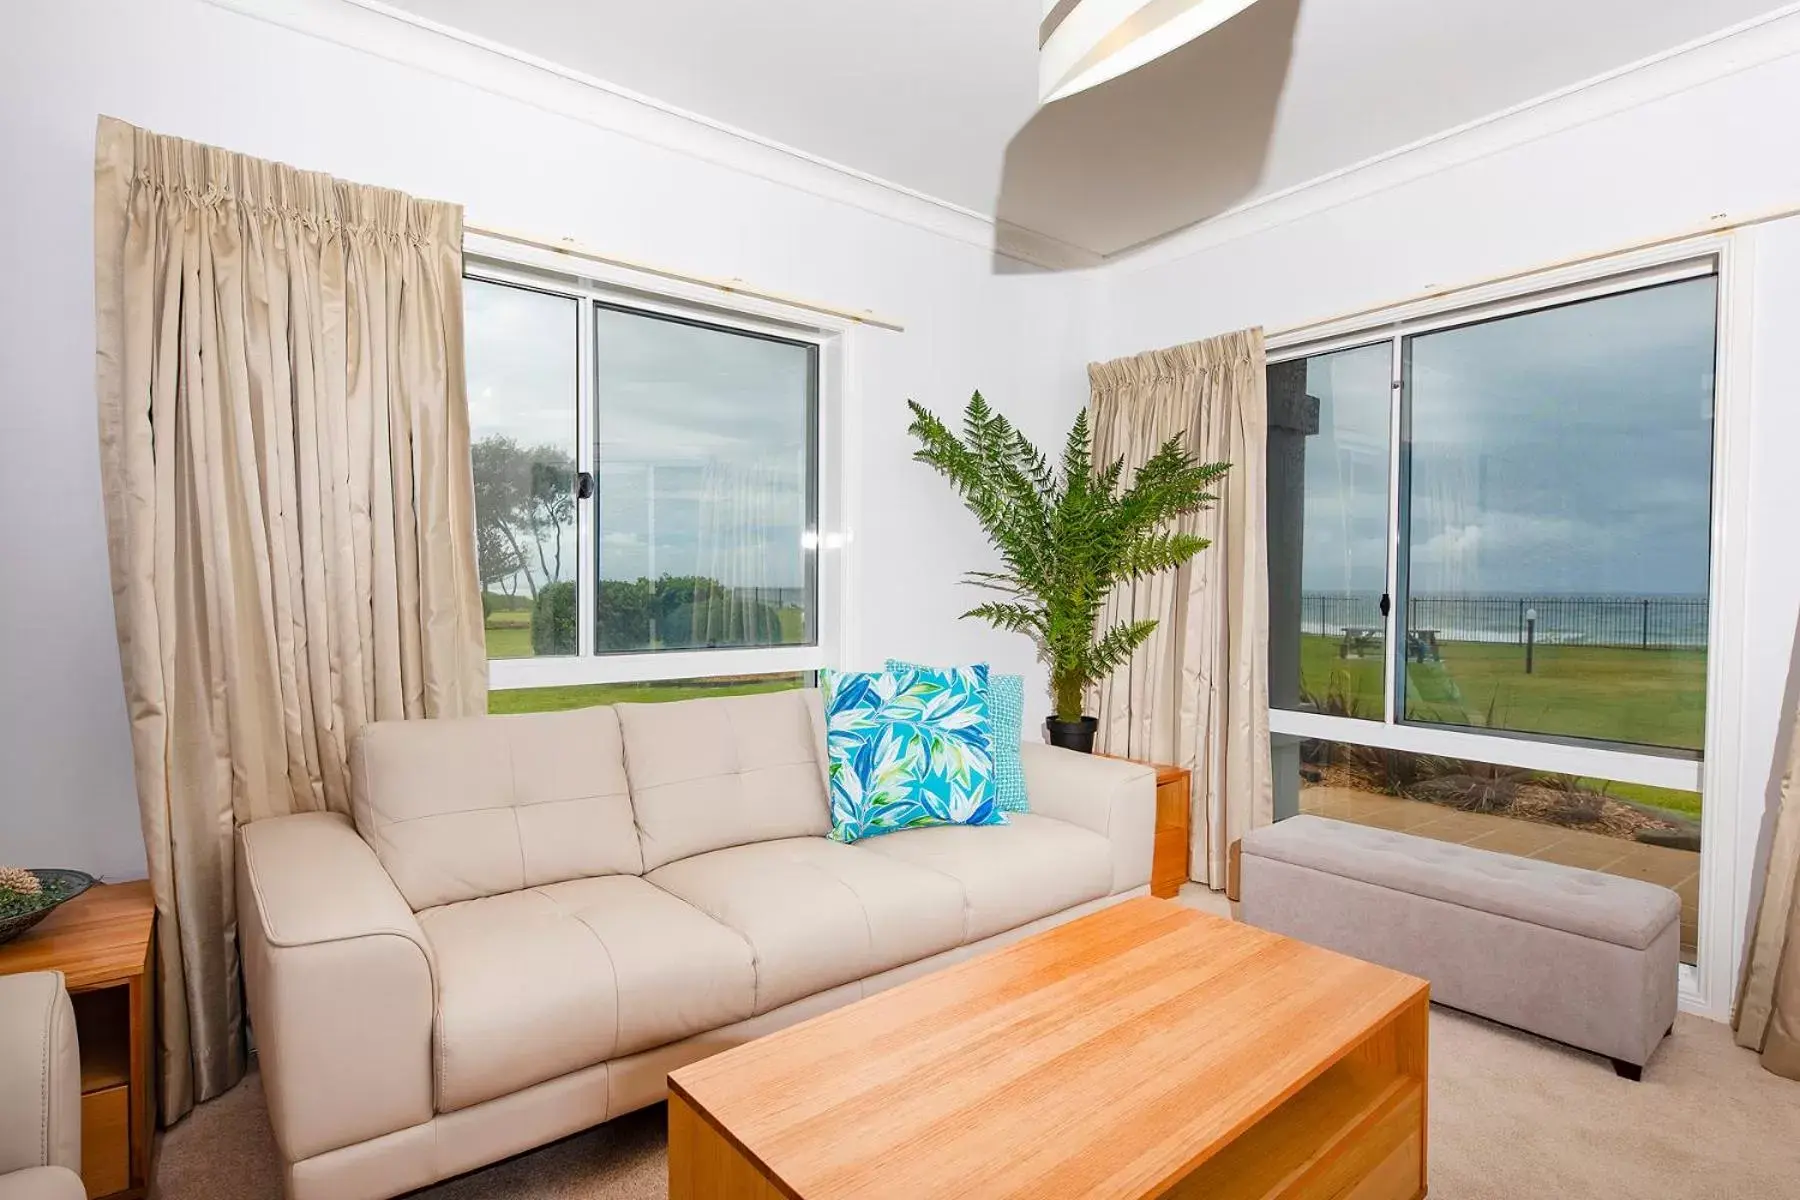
59, 886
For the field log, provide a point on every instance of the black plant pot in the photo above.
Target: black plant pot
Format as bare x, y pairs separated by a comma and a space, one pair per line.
1073, 735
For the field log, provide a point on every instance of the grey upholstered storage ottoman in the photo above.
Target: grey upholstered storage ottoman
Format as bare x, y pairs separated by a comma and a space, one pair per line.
1577, 956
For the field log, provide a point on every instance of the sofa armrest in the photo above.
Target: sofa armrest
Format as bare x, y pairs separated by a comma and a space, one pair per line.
1114, 798
339, 977
42, 1183
40, 1102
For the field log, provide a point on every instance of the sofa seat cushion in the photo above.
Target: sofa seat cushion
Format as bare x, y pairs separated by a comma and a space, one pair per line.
1010, 874
817, 913
534, 984
1607, 908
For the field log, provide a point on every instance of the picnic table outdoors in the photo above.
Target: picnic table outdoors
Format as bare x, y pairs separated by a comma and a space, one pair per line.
1362, 640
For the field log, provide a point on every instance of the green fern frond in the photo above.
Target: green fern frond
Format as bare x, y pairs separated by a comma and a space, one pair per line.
1066, 535
1015, 618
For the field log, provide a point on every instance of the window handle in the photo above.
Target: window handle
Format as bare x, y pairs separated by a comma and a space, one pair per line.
1387, 604
584, 485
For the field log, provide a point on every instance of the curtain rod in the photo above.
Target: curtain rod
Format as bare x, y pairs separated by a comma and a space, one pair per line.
570, 248
1718, 226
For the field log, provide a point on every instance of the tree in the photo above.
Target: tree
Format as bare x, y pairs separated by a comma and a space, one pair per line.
497, 560
495, 461
550, 505
524, 500
1067, 535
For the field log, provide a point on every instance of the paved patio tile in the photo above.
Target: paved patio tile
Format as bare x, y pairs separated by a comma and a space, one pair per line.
1659, 865
1518, 837
1360, 804
1404, 819
1451, 825
1589, 852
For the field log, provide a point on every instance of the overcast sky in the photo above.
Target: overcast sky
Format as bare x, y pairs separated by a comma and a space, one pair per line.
715, 423
1563, 451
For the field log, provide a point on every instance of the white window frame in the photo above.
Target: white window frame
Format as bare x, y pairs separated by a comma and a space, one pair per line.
594, 283
1708, 987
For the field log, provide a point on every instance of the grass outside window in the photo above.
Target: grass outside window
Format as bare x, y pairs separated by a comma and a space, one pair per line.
587, 695
1628, 696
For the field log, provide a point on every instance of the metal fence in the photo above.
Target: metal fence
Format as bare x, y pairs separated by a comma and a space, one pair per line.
1645, 622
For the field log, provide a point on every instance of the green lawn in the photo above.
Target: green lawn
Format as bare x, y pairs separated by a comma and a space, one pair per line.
508, 626
509, 641
1643, 697
557, 699
1647, 697
509, 636
1685, 803
509, 631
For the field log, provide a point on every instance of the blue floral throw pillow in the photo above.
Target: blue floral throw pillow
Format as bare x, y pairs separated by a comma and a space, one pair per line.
1006, 709
908, 749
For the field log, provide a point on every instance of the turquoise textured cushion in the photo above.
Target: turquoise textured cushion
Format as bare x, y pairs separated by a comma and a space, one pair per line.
907, 749
1006, 708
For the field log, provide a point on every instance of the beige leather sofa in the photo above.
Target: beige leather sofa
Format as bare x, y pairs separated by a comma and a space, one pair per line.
534, 919
40, 1090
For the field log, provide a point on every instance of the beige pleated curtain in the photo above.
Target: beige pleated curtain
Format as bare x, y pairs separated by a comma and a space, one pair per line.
1768, 1009
1197, 693
285, 459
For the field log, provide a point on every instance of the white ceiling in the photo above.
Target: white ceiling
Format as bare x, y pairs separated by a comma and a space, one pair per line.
939, 96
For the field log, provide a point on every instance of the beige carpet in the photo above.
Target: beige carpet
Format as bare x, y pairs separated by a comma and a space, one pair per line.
1511, 1116
225, 1151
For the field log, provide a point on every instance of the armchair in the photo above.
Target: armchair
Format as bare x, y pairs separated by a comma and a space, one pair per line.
40, 1100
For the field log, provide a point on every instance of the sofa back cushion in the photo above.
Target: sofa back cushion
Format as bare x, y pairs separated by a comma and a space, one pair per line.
707, 774
459, 809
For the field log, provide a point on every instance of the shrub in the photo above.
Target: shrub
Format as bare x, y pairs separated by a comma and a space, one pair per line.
1395, 772
1336, 700
1574, 803
720, 619
553, 620
683, 611
622, 614
1472, 787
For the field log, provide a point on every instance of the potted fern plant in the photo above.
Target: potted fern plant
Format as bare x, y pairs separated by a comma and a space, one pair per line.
1067, 535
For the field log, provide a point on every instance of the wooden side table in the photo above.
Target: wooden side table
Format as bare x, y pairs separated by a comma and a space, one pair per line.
102, 942
1169, 858
1169, 862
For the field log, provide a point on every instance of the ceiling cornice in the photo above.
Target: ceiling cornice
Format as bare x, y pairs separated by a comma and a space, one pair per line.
403, 37
414, 41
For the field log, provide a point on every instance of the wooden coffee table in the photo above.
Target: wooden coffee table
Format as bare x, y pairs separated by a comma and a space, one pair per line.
1146, 1050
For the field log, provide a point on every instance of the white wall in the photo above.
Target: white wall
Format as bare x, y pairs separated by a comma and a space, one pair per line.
1649, 172
187, 68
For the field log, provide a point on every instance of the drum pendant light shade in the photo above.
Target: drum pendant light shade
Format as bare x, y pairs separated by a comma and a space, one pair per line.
1087, 42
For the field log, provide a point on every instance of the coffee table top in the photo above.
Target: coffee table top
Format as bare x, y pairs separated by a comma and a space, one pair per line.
1106, 1057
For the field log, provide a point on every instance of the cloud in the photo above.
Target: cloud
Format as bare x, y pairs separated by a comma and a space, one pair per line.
1564, 450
